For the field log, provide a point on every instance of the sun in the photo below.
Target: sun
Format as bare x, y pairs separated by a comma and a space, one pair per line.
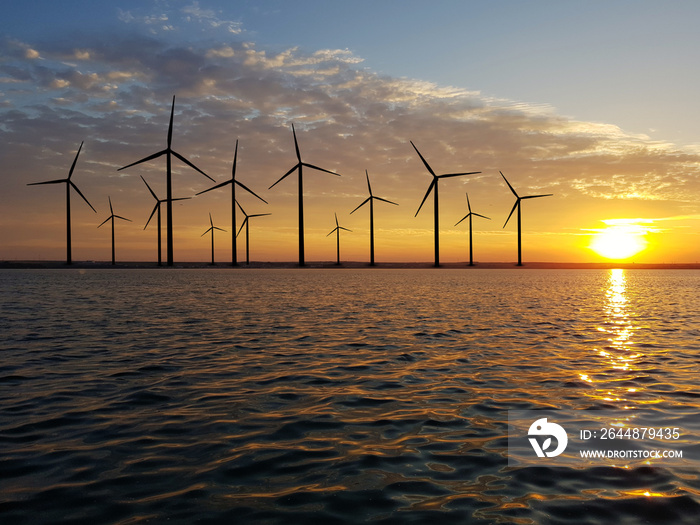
619, 241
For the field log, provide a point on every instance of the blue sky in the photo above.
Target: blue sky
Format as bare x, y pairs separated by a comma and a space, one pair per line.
594, 101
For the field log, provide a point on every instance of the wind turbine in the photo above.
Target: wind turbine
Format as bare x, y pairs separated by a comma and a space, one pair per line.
434, 185
112, 217
337, 237
470, 214
246, 223
69, 185
157, 208
233, 182
371, 199
169, 152
518, 198
299, 165
212, 237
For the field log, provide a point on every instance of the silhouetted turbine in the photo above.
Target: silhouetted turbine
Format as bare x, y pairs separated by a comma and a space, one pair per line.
112, 217
157, 208
69, 185
434, 185
470, 214
168, 152
299, 165
212, 237
337, 236
246, 223
371, 199
233, 182
518, 198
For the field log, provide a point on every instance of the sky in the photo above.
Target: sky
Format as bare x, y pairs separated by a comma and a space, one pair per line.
594, 102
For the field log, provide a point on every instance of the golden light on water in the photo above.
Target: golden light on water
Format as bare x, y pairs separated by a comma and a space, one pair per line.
618, 355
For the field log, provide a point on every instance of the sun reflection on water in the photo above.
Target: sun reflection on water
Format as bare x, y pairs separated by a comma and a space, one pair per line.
619, 353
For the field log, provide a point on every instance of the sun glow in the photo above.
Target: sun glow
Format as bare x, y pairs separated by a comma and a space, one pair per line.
622, 239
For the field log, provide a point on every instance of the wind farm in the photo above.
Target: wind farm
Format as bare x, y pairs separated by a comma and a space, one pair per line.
233, 182
111, 218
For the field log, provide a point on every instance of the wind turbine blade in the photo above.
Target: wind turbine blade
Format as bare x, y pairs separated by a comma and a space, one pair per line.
122, 218
320, 169
70, 173
384, 200
246, 188
511, 211
482, 216
242, 226
285, 176
344, 229
430, 188
219, 229
216, 187
508, 183
536, 196
296, 144
146, 159
83, 196
457, 174
259, 215
155, 208
57, 181
467, 215
183, 159
170, 127
241, 208
210, 221
424, 161
368, 186
235, 159
149, 188
106, 220
336, 220
360, 206
110, 205
210, 229
469, 206
332, 231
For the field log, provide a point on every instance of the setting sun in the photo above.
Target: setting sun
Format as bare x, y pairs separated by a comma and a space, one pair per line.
620, 240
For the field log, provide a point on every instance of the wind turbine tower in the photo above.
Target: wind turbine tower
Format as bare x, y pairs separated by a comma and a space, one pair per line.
69, 184
299, 166
371, 200
112, 217
436, 208
517, 205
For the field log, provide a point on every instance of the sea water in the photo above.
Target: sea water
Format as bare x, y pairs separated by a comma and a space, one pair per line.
336, 395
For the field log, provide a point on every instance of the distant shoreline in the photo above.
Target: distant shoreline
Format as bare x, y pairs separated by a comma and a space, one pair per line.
82, 265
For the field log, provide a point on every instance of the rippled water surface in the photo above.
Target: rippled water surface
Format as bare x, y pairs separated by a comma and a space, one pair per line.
334, 396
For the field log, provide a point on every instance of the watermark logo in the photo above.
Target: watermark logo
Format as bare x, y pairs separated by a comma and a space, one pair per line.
541, 428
